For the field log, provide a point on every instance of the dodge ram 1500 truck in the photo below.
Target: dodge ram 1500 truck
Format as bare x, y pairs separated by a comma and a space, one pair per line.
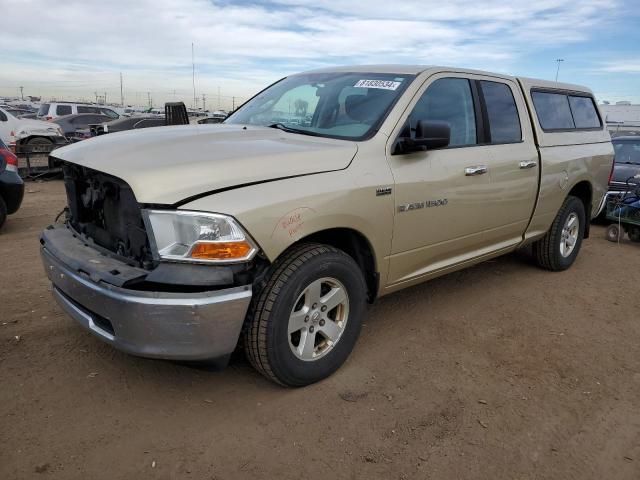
326, 190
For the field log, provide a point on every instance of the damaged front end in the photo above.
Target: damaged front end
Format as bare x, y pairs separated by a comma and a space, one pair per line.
104, 275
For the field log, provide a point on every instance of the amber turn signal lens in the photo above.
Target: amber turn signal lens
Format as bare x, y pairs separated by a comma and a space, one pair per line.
220, 250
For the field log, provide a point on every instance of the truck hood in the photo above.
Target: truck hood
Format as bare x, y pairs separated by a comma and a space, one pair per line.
166, 165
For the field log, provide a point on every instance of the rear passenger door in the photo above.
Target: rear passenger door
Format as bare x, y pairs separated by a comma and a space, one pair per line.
474, 196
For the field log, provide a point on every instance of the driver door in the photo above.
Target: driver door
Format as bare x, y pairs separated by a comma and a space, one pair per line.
448, 209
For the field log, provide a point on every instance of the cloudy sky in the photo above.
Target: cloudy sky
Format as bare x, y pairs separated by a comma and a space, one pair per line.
71, 49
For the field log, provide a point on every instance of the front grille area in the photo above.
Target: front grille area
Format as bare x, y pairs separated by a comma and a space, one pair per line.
104, 209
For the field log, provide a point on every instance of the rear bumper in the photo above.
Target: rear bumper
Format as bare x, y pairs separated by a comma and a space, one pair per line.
177, 326
608, 196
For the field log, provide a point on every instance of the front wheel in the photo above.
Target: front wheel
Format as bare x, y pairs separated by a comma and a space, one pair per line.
558, 249
307, 317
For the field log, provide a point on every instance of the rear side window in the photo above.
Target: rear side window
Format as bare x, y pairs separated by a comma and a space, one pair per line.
63, 110
43, 110
82, 109
108, 112
584, 112
553, 111
504, 121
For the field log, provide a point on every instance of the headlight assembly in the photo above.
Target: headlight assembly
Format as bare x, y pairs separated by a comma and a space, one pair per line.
197, 237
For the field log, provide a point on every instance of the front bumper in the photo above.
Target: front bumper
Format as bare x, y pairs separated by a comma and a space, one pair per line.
177, 326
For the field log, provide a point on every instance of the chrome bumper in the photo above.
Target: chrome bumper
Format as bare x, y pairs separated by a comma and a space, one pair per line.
177, 326
605, 199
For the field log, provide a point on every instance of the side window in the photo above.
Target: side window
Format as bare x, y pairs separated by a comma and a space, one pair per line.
3, 117
584, 112
504, 121
449, 100
82, 109
63, 110
108, 112
553, 110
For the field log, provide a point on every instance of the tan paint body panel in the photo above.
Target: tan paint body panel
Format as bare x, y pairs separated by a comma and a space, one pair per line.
332, 183
165, 165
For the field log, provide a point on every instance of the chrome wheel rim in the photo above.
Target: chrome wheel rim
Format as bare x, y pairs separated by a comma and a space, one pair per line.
318, 319
569, 235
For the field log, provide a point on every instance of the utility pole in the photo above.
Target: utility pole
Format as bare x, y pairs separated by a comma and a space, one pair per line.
149, 98
21, 93
204, 105
96, 94
218, 98
233, 103
193, 74
105, 98
558, 61
121, 92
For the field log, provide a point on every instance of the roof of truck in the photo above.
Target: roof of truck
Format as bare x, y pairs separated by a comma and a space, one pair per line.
417, 69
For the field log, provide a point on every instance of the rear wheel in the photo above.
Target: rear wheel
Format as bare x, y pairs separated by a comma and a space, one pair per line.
558, 249
614, 233
307, 317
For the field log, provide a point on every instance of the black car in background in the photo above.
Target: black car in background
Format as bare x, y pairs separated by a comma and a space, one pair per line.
11, 185
626, 165
130, 123
74, 126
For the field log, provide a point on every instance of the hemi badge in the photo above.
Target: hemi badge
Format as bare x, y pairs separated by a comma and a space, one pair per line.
383, 191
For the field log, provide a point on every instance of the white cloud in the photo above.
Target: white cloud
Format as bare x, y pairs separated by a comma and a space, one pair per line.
75, 47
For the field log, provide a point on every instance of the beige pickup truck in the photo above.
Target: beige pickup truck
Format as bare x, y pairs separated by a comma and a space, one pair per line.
326, 190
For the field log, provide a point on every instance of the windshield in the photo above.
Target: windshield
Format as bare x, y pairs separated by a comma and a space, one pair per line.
338, 105
43, 110
627, 152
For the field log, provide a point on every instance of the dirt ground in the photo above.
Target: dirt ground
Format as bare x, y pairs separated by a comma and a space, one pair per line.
502, 371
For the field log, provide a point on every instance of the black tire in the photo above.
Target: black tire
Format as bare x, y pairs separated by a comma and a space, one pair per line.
634, 234
614, 233
3, 212
266, 338
546, 251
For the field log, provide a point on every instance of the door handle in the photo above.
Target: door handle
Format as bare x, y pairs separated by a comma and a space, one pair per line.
475, 170
525, 165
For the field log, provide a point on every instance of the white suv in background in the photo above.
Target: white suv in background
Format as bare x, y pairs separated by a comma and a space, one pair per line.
49, 111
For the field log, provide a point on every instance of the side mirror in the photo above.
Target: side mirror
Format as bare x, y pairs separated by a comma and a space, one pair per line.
430, 134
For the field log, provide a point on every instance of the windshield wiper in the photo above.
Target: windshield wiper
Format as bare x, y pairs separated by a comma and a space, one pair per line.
284, 128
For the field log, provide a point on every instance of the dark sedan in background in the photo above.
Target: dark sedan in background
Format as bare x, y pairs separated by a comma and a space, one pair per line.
130, 123
11, 185
626, 166
75, 127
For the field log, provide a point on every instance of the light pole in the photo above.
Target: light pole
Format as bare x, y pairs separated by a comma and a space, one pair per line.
558, 61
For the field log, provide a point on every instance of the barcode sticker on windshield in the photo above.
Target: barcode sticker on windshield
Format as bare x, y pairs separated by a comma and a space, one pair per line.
383, 84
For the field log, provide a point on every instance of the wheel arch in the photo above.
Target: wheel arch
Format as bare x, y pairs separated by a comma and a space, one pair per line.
357, 246
583, 190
